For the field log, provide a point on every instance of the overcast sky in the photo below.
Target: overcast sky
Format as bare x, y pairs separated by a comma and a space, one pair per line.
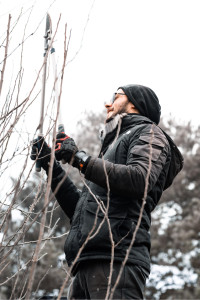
150, 42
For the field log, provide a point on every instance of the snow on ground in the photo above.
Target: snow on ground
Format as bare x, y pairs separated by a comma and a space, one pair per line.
163, 278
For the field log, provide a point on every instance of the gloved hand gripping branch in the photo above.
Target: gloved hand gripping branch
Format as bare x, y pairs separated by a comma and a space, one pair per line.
67, 150
45, 156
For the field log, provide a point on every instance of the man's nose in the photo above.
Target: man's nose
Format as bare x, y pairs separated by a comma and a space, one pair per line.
108, 105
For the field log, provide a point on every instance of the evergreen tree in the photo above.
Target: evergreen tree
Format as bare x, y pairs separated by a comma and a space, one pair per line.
176, 225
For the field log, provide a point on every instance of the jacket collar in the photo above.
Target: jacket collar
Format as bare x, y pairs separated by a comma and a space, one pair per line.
131, 120
118, 125
124, 121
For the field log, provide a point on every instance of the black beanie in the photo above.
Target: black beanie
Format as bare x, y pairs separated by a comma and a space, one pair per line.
144, 99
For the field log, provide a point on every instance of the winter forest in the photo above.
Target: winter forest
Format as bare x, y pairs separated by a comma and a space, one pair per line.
33, 227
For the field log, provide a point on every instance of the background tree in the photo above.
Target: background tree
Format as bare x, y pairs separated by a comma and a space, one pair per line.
176, 224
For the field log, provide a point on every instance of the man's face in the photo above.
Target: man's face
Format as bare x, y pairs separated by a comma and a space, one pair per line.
119, 105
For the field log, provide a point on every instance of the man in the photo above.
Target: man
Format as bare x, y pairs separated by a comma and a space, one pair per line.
111, 217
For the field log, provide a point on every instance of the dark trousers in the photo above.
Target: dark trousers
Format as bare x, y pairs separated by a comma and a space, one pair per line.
91, 281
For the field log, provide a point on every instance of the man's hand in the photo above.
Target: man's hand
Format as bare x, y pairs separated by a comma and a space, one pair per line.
65, 148
42, 154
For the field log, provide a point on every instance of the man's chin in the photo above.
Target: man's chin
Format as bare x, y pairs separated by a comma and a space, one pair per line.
109, 116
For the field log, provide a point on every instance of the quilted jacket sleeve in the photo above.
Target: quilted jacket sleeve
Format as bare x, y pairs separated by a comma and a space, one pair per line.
146, 154
66, 193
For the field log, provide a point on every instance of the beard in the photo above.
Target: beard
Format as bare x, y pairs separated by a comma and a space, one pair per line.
120, 111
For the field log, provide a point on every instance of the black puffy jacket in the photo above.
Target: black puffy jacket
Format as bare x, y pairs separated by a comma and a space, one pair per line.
142, 151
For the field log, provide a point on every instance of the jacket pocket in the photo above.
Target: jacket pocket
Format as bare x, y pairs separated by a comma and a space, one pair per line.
144, 148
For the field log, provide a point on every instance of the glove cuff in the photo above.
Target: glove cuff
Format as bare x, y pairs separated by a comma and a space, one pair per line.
81, 160
57, 169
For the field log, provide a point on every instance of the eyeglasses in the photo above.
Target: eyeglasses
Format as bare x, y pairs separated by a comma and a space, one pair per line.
114, 96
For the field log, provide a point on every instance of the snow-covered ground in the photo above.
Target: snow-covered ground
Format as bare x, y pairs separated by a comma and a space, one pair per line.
163, 278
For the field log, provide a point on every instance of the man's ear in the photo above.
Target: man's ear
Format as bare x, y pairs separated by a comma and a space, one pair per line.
132, 108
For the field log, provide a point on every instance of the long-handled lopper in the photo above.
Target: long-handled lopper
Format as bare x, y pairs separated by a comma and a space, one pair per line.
47, 37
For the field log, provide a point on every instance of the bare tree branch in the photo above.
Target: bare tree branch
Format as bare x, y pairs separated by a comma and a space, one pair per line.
6, 53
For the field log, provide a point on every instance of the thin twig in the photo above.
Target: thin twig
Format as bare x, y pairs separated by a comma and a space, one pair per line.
6, 53
43, 240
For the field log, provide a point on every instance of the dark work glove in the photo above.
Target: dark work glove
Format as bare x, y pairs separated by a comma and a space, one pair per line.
67, 150
44, 156
44, 152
